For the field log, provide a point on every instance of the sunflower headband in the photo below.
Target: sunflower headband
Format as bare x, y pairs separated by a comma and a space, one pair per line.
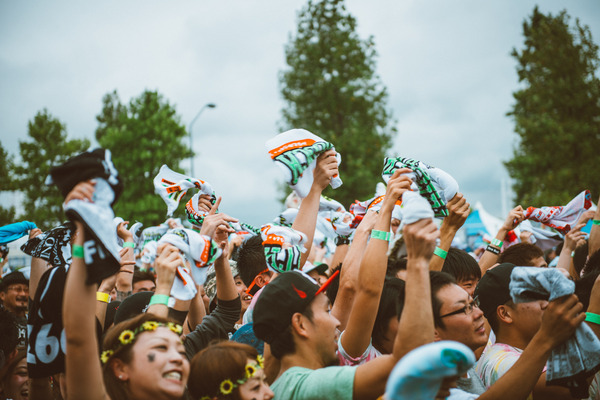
227, 386
128, 336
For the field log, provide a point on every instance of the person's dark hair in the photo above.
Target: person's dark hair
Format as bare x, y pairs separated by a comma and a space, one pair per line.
438, 280
520, 254
398, 251
391, 304
284, 344
216, 363
580, 257
142, 275
395, 265
9, 335
332, 289
584, 285
251, 259
461, 265
116, 388
592, 264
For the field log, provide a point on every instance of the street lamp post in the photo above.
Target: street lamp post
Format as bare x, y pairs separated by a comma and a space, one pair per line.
207, 105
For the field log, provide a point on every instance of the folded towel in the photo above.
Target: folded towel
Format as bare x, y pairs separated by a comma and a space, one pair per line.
579, 357
53, 246
295, 152
172, 186
437, 186
419, 374
283, 247
561, 218
11, 232
200, 251
414, 208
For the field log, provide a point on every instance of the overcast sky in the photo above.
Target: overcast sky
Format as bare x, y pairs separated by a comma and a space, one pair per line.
446, 65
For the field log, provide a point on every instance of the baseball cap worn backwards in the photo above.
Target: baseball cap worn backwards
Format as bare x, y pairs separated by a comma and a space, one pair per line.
493, 289
289, 293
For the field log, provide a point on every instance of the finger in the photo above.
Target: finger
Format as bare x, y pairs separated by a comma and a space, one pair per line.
215, 206
128, 262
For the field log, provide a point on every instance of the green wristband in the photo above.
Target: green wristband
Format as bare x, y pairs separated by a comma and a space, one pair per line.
129, 244
497, 242
375, 234
440, 253
159, 299
593, 318
596, 222
77, 251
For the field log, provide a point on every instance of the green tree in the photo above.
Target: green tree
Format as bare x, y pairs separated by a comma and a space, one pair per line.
142, 136
331, 89
556, 112
48, 147
7, 215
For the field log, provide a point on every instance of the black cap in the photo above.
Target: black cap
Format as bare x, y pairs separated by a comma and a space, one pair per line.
287, 294
493, 289
133, 306
13, 278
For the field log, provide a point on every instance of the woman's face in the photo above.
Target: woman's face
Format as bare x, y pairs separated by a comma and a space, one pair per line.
256, 388
159, 368
17, 387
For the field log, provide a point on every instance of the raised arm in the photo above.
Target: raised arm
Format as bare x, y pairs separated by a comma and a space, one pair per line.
82, 360
38, 267
458, 211
349, 272
565, 260
489, 258
124, 283
416, 324
306, 220
168, 258
371, 274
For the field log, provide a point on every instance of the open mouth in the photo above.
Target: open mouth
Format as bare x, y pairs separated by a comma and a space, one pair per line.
175, 375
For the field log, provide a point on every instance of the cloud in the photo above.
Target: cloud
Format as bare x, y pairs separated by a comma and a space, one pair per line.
446, 65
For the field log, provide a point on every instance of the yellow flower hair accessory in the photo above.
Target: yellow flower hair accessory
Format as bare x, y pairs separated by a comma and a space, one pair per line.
227, 386
104, 357
127, 337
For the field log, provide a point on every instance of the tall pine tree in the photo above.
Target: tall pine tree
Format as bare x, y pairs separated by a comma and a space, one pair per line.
48, 147
556, 112
331, 89
142, 136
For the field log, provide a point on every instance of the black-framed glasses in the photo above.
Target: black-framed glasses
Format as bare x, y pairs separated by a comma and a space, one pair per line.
467, 310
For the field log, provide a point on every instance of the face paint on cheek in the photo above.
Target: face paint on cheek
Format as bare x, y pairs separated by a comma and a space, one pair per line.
151, 357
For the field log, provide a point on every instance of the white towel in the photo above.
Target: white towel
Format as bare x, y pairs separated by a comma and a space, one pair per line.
172, 186
280, 259
295, 152
419, 374
199, 249
437, 186
561, 218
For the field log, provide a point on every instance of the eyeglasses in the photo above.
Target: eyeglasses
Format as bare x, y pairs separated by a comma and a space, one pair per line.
253, 283
19, 288
467, 310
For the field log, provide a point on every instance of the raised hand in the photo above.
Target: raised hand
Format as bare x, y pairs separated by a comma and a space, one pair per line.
212, 221
325, 170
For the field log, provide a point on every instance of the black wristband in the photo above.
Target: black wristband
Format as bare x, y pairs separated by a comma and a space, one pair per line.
492, 249
340, 240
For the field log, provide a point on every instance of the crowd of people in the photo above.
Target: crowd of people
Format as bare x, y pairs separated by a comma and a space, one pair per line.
320, 303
